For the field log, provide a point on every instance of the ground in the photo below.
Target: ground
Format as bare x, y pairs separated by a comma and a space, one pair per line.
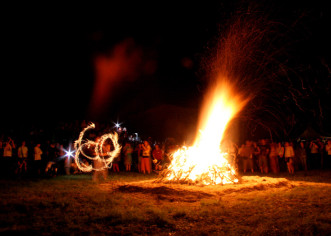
136, 204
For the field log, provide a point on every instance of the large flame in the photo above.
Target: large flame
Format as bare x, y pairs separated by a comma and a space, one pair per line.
204, 162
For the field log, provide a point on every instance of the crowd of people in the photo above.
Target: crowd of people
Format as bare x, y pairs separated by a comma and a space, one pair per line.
266, 156
49, 152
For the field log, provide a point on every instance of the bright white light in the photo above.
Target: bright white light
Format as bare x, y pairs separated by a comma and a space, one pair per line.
69, 153
117, 125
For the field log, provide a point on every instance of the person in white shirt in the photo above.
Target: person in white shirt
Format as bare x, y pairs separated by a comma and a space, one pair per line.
22, 154
37, 158
8, 149
145, 164
8, 161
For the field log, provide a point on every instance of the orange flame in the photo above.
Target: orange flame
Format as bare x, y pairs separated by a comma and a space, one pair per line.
204, 162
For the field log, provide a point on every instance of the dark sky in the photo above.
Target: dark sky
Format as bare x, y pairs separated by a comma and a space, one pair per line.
51, 53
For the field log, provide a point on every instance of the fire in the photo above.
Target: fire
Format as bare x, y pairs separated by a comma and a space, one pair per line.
100, 154
204, 162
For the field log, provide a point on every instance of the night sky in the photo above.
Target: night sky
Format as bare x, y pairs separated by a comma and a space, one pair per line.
151, 58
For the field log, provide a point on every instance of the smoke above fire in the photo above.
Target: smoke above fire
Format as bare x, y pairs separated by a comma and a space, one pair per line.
124, 63
233, 73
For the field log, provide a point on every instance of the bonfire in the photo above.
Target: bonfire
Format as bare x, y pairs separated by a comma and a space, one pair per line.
204, 162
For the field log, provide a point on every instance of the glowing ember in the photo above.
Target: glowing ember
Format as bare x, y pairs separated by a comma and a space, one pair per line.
204, 162
100, 154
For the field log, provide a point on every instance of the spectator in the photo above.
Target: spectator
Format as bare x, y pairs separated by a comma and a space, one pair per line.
8, 149
246, 153
273, 158
233, 152
52, 157
315, 157
115, 163
320, 145
128, 150
138, 151
145, 161
1, 145
256, 153
302, 155
8, 161
157, 157
289, 157
282, 162
37, 158
328, 154
22, 154
263, 156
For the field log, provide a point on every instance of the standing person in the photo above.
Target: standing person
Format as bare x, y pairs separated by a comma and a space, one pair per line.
69, 159
52, 160
99, 165
128, 150
8, 149
302, 155
116, 162
320, 145
145, 165
233, 152
22, 154
37, 158
281, 158
289, 157
139, 150
327, 160
157, 157
246, 153
263, 156
273, 158
314, 155
8, 156
256, 153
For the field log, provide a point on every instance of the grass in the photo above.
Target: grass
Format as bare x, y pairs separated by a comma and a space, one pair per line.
133, 204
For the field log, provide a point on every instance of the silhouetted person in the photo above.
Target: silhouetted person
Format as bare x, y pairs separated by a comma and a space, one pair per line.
302, 155
22, 154
37, 158
289, 157
145, 161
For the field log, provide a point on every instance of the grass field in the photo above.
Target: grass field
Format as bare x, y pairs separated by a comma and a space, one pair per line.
134, 204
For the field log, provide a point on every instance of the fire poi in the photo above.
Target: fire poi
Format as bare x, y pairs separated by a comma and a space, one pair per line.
99, 153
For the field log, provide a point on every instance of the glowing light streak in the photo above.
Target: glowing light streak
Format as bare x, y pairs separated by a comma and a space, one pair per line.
105, 157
